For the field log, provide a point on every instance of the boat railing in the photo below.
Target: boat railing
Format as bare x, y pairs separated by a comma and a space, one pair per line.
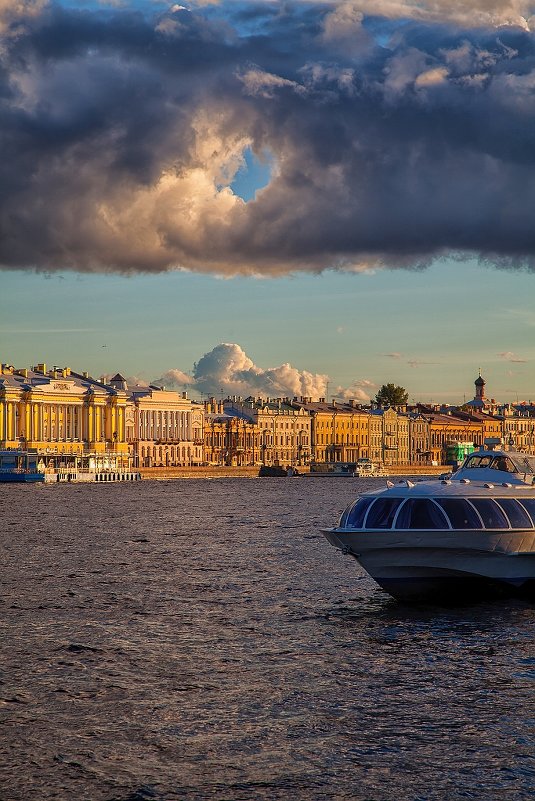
19, 470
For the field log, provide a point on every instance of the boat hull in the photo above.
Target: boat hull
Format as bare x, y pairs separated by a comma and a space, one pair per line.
447, 566
21, 478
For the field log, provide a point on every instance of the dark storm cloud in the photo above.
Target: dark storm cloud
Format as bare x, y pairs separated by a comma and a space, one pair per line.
120, 135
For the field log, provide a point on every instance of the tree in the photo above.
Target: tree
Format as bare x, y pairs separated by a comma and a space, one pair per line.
392, 395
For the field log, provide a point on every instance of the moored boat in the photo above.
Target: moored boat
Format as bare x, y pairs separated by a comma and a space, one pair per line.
365, 468
362, 468
468, 534
25, 466
20, 467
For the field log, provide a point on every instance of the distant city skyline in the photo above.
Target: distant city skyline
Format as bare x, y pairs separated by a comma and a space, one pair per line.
287, 195
429, 331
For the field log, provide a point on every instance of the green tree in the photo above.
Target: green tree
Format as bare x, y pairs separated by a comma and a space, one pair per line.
392, 395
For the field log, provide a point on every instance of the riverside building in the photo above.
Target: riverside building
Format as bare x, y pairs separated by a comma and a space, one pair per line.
230, 439
389, 430
283, 429
165, 428
519, 426
339, 429
73, 422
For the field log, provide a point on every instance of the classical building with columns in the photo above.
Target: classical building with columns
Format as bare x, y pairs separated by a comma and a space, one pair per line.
70, 419
164, 428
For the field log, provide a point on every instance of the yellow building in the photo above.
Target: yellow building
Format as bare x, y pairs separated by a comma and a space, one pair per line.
519, 427
419, 453
389, 434
70, 419
339, 430
445, 429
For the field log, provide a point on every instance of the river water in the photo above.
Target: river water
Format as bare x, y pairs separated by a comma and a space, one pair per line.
199, 639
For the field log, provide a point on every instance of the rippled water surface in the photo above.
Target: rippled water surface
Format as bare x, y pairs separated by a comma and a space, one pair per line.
196, 639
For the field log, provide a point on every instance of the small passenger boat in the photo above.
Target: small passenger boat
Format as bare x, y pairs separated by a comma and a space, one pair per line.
469, 534
20, 467
362, 468
365, 468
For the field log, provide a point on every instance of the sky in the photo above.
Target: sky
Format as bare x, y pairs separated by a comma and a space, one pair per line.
277, 198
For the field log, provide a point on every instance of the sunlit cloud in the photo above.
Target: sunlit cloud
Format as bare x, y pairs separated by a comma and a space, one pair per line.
228, 370
121, 156
361, 390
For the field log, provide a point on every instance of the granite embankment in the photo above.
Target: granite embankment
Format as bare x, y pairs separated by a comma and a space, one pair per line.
165, 473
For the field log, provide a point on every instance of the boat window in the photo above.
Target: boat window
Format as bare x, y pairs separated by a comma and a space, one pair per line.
503, 463
524, 463
529, 504
490, 512
382, 513
478, 461
516, 513
460, 513
356, 513
421, 513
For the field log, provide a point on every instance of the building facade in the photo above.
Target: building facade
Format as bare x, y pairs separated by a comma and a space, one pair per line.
419, 450
339, 430
165, 428
72, 420
519, 427
389, 430
229, 439
282, 430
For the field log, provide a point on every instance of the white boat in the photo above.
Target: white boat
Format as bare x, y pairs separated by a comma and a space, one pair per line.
363, 468
469, 534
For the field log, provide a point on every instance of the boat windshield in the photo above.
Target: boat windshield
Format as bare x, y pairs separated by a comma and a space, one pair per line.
512, 463
354, 515
493, 462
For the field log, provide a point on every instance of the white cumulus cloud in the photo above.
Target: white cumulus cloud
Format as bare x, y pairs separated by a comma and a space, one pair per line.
361, 390
227, 370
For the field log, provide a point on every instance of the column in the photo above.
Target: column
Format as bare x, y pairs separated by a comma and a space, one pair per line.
9, 420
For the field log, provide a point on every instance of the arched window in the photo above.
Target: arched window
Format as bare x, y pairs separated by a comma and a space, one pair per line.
353, 517
421, 513
382, 512
518, 517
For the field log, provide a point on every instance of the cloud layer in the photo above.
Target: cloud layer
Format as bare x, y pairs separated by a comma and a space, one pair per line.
227, 370
399, 131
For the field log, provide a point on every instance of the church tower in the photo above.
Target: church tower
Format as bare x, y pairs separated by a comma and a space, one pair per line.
480, 389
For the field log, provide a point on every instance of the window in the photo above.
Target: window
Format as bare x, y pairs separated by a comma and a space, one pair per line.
478, 461
382, 513
421, 513
490, 512
460, 512
529, 504
353, 516
504, 464
516, 513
